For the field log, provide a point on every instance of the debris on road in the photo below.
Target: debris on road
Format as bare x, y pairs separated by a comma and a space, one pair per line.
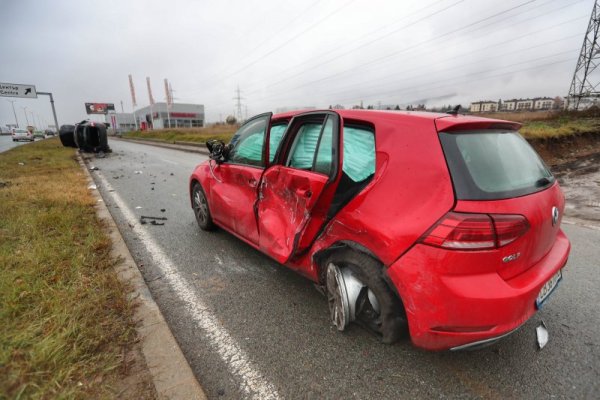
138, 207
163, 210
94, 168
138, 172
92, 187
152, 220
542, 334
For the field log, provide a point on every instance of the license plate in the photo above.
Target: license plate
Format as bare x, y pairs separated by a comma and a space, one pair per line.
548, 288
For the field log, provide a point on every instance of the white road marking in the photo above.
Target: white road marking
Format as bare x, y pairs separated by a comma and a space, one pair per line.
169, 161
252, 383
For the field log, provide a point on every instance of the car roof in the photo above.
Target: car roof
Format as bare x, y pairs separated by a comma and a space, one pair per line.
443, 121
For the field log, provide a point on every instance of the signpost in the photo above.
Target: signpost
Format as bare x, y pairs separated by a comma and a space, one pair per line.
17, 90
25, 91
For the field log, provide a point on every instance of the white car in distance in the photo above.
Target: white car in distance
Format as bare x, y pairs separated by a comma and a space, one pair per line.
21, 134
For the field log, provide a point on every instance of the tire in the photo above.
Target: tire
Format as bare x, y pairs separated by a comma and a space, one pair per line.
390, 323
201, 210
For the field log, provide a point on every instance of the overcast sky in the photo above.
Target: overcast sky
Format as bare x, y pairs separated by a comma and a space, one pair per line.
287, 53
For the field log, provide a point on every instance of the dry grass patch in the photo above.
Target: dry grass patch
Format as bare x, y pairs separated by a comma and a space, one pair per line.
64, 319
195, 135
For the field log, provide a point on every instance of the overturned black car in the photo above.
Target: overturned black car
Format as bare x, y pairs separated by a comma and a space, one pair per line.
88, 136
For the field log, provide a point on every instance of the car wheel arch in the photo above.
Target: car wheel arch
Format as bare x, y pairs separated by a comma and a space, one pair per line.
341, 245
357, 256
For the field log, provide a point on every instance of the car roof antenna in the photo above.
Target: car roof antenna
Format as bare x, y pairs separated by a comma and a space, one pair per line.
454, 111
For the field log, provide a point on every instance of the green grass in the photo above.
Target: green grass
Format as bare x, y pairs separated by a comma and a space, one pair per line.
549, 125
64, 317
560, 127
195, 135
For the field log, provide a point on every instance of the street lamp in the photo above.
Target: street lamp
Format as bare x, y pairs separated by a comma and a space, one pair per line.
12, 102
25, 112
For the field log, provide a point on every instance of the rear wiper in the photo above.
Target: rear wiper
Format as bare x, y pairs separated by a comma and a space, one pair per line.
542, 182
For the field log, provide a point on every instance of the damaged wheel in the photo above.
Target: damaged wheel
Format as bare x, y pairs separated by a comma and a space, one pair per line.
201, 210
356, 291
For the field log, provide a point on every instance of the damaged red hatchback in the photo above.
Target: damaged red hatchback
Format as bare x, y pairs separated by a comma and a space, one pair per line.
444, 226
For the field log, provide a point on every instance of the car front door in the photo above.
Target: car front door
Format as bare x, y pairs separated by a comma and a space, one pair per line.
233, 194
295, 194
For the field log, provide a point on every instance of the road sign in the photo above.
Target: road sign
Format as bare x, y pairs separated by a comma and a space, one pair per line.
18, 90
99, 108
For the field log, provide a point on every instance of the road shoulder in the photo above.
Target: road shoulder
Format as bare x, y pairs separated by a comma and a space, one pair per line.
170, 371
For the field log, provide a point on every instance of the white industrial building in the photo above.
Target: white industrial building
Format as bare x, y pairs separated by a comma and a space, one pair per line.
179, 115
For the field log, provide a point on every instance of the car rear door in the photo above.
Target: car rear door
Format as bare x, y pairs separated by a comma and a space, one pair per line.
295, 194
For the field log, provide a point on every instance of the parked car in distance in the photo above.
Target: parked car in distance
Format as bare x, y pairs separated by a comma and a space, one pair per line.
440, 225
22, 134
49, 132
39, 134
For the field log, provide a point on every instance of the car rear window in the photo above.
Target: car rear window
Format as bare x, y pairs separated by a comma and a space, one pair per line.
493, 165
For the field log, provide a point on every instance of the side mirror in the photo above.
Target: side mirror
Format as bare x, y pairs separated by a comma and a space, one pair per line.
218, 150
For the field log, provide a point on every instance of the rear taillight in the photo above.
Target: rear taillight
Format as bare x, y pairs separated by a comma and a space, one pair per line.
458, 231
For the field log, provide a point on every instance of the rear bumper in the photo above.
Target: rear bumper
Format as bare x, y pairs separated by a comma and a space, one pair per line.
459, 311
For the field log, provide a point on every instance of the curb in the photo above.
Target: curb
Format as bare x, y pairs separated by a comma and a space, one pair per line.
171, 374
191, 148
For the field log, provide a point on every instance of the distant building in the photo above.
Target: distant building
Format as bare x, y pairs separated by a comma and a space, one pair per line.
120, 122
509, 105
543, 103
524, 104
534, 104
484, 106
180, 115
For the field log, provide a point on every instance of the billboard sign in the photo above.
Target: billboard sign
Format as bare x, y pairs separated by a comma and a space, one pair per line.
18, 90
99, 108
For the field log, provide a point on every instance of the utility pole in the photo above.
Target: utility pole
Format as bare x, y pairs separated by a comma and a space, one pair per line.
582, 86
53, 109
14, 112
238, 104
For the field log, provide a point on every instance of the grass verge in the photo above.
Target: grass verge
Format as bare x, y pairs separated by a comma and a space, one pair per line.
552, 125
195, 135
65, 321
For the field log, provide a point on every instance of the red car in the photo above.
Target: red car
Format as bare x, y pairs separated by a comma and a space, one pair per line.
441, 225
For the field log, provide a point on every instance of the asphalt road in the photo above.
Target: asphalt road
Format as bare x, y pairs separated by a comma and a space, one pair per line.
251, 328
6, 143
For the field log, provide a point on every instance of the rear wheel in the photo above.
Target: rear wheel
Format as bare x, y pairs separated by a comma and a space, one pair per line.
356, 291
201, 210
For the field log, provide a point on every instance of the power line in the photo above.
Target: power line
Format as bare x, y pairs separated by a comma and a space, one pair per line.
446, 80
488, 46
310, 27
365, 44
472, 30
377, 60
386, 78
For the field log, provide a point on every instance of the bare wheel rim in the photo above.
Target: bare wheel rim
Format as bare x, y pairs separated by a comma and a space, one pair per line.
200, 207
335, 298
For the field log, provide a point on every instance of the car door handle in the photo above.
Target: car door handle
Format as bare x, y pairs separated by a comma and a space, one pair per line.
252, 182
304, 193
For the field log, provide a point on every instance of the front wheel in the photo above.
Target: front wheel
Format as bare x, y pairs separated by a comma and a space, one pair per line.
201, 210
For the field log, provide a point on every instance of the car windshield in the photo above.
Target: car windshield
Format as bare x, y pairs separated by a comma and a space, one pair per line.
491, 165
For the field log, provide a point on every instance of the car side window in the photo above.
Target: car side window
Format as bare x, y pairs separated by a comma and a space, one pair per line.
275, 137
324, 157
305, 145
359, 153
312, 149
248, 142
